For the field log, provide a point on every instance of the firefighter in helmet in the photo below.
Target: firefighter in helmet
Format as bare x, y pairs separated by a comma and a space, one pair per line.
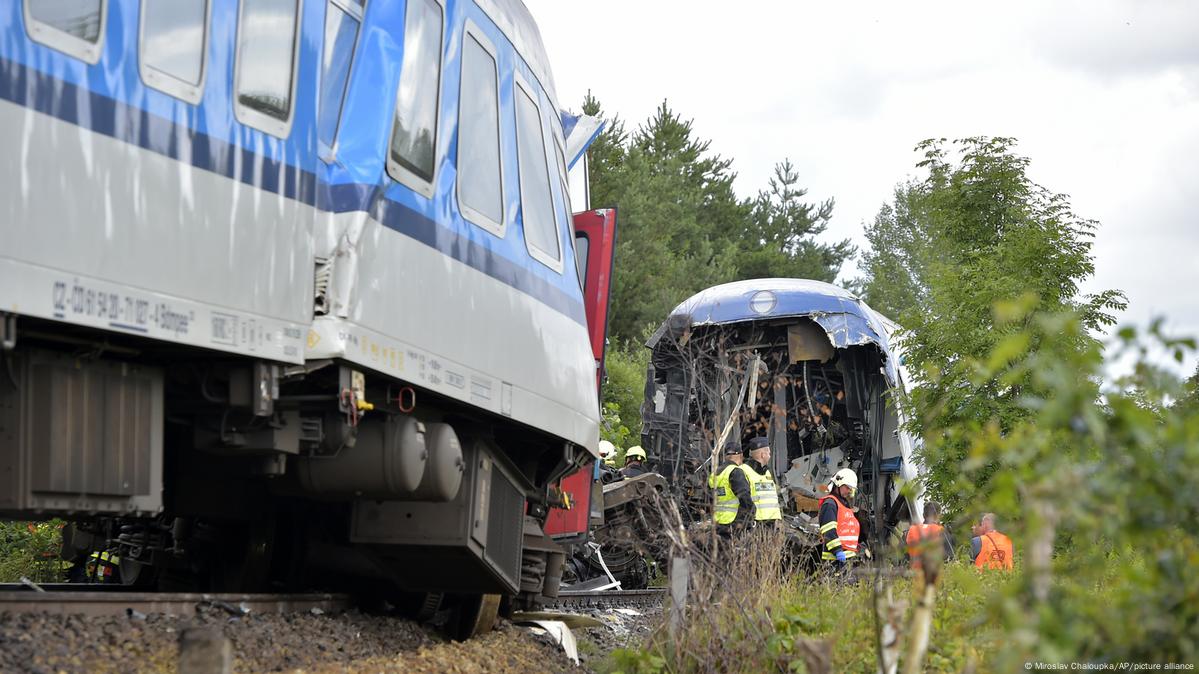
839, 526
634, 462
607, 452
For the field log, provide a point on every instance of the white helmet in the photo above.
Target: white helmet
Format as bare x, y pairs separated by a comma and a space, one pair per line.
606, 449
845, 476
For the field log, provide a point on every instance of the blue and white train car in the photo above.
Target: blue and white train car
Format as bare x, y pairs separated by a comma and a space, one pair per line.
284, 269
805, 364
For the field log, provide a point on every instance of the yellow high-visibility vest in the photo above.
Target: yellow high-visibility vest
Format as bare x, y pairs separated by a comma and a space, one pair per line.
765, 494
102, 564
725, 509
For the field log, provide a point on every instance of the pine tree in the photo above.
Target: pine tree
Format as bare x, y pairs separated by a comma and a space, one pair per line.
670, 192
778, 238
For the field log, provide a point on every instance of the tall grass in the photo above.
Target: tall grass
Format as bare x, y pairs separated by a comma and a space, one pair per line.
750, 608
759, 621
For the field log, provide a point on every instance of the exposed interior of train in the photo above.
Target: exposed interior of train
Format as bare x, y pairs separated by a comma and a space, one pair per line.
821, 409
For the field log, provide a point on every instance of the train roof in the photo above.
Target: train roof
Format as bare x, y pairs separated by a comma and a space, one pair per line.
513, 18
515, 21
845, 317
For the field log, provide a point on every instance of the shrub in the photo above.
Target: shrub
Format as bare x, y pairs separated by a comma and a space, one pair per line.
30, 550
1094, 487
624, 391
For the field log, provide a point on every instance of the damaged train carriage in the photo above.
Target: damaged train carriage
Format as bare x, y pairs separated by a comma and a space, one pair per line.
807, 365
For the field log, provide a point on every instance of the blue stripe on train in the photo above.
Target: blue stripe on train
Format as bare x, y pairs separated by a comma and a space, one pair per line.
30, 88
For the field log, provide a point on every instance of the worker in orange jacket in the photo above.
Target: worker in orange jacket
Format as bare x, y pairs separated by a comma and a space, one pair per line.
989, 548
922, 536
839, 526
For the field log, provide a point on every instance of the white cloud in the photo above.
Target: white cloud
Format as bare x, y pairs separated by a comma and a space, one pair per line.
1102, 94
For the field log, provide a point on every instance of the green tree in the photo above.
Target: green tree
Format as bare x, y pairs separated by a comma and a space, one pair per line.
682, 227
896, 257
673, 196
1189, 399
778, 239
1105, 540
605, 155
973, 233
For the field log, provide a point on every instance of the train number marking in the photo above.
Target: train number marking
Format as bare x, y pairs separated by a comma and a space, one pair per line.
80, 301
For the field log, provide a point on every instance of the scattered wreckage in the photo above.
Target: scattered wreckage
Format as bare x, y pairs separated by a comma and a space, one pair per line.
803, 363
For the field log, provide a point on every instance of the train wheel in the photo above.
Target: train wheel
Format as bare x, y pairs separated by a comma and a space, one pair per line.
476, 616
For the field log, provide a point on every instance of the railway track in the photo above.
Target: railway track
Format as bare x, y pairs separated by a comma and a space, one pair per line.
648, 598
109, 600
101, 600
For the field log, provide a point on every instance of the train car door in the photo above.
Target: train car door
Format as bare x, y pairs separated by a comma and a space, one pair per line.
595, 248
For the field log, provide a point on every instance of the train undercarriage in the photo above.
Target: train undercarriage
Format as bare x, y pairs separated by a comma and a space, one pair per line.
187, 471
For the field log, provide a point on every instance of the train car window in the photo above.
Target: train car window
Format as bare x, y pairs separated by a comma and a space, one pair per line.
342, 22
536, 202
480, 180
74, 27
414, 133
560, 155
266, 56
172, 46
582, 248
561, 160
565, 210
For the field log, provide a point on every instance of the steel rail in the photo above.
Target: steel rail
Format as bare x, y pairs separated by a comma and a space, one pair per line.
16, 598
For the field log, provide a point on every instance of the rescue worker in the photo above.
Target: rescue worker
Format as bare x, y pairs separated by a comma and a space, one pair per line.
103, 567
839, 526
763, 490
634, 462
607, 452
607, 472
733, 505
921, 536
991, 549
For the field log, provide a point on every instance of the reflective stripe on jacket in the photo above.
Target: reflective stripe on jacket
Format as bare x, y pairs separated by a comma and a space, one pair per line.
101, 565
726, 504
765, 494
996, 552
847, 527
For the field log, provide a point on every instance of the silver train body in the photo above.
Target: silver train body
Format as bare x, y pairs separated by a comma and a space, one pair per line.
289, 286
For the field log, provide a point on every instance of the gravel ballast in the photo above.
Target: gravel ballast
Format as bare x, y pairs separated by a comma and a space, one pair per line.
306, 643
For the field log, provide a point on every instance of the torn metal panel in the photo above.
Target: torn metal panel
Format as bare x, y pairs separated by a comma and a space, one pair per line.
580, 132
845, 318
807, 342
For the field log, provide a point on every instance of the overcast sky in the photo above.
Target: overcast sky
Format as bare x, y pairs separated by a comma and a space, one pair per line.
1103, 96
